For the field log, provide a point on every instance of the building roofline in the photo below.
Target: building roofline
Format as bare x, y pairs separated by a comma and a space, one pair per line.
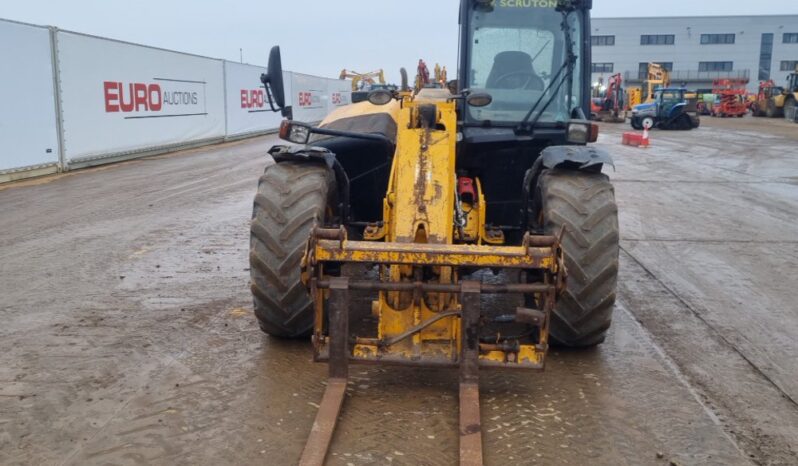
698, 17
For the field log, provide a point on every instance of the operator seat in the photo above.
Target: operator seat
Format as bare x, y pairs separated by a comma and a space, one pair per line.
513, 63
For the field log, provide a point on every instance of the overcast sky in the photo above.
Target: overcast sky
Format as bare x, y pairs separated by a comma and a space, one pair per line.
316, 36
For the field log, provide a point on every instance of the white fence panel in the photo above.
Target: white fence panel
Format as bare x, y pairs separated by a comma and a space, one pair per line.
119, 98
93, 100
28, 128
248, 109
340, 92
308, 97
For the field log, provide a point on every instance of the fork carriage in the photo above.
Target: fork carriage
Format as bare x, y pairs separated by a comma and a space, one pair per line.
425, 323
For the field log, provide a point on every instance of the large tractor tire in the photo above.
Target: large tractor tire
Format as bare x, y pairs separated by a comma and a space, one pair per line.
771, 111
292, 199
789, 105
583, 203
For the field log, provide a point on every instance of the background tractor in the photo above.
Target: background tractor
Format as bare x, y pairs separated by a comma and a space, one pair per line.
668, 110
486, 187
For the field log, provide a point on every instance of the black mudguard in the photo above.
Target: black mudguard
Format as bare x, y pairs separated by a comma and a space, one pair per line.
323, 156
573, 157
581, 156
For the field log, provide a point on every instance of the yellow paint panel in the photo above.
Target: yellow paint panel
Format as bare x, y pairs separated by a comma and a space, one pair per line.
362, 109
435, 254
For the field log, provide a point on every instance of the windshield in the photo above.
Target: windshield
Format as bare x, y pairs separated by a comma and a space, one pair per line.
516, 52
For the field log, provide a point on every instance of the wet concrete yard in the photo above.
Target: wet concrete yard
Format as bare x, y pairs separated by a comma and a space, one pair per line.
127, 334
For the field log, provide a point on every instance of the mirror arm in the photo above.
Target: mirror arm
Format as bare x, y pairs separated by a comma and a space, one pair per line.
268, 92
287, 111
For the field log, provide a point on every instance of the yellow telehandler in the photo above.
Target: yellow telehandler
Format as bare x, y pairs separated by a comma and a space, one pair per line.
775, 101
657, 77
447, 195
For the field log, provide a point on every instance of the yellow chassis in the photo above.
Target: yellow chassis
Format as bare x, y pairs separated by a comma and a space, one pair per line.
427, 316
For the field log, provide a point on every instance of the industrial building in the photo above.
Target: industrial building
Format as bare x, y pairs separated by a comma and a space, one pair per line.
696, 49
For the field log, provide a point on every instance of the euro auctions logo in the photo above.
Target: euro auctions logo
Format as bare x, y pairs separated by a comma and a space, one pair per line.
157, 99
308, 99
339, 99
253, 100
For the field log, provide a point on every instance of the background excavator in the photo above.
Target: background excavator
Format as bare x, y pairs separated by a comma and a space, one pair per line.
610, 107
428, 201
363, 81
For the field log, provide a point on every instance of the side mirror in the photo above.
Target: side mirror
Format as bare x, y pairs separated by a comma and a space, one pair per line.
453, 86
273, 80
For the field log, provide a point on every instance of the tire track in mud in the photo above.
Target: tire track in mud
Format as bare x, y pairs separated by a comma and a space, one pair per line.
707, 362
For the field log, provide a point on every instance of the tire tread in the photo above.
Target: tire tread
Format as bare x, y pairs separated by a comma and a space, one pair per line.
583, 203
291, 199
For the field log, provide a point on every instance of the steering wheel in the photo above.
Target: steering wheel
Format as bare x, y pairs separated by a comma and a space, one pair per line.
528, 74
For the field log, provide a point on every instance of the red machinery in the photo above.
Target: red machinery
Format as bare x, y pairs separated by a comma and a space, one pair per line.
731, 92
610, 108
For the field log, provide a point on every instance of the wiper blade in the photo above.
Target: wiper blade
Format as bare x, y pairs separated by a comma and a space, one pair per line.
554, 81
541, 51
567, 67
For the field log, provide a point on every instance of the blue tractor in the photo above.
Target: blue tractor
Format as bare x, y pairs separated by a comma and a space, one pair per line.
669, 110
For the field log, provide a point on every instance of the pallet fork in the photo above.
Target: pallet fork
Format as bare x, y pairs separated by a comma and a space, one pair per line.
340, 349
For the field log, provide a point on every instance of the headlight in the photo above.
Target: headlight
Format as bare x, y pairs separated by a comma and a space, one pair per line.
380, 97
582, 132
292, 131
479, 99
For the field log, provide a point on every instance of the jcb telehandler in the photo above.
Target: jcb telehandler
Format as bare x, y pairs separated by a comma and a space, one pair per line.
775, 101
486, 187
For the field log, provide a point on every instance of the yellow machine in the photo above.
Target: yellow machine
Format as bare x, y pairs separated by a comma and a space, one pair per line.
444, 197
441, 75
775, 101
363, 79
634, 96
657, 76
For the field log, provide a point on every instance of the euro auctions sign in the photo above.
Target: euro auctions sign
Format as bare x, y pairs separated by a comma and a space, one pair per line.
254, 100
309, 99
157, 98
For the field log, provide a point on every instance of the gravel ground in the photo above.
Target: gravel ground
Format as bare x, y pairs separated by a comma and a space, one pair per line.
128, 335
